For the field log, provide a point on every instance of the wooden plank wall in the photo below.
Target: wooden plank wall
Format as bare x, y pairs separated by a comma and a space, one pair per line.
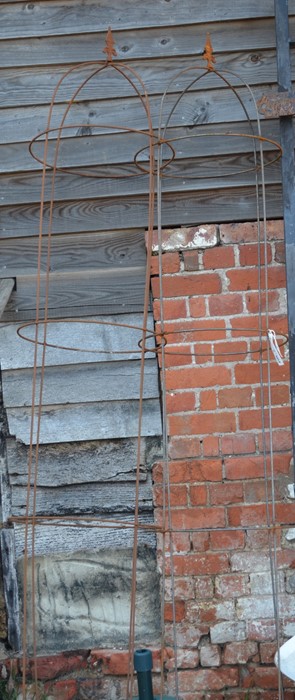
98, 225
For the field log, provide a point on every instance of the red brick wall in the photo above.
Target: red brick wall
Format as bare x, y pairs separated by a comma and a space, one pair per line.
224, 613
224, 609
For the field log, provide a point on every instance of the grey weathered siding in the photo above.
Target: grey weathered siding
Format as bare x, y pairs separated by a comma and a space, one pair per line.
39, 41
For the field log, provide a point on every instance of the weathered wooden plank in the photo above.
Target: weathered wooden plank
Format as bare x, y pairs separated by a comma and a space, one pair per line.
120, 148
33, 86
95, 421
6, 287
103, 381
213, 107
77, 463
206, 173
186, 207
142, 43
10, 588
93, 499
115, 288
53, 17
50, 539
74, 312
75, 253
113, 343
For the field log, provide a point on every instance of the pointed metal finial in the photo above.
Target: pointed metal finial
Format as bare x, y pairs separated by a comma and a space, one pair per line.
208, 54
110, 46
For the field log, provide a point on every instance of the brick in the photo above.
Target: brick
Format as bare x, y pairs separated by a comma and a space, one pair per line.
110, 662
258, 539
65, 689
261, 583
247, 232
280, 252
210, 655
232, 585
247, 325
196, 424
267, 652
226, 305
238, 444
188, 636
183, 471
187, 285
285, 513
198, 495
251, 467
246, 280
281, 440
209, 563
183, 588
204, 330
280, 394
172, 309
208, 400
252, 419
176, 356
197, 307
210, 611
250, 561
240, 652
210, 446
247, 515
254, 301
235, 397
170, 264
190, 518
254, 491
225, 493
178, 495
228, 632
231, 351
249, 254
49, 667
191, 260
180, 542
180, 401
186, 658
200, 541
227, 540
180, 447
249, 373
255, 607
218, 257
203, 587
185, 237
203, 353
205, 678
266, 677
179, 611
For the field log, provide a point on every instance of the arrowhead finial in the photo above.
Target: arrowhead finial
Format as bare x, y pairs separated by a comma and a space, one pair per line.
208, 54
110, 46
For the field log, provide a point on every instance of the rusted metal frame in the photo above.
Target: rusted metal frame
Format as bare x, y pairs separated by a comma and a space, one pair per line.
288, 184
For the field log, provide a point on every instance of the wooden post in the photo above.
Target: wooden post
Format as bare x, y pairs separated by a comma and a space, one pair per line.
288, 184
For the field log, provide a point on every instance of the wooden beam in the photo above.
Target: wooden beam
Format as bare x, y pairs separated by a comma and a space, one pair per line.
288, 185
6, 287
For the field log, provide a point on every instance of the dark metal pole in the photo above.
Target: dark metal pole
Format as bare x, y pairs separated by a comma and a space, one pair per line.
288, 184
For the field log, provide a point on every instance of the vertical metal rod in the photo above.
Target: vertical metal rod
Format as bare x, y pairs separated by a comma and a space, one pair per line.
288, 185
